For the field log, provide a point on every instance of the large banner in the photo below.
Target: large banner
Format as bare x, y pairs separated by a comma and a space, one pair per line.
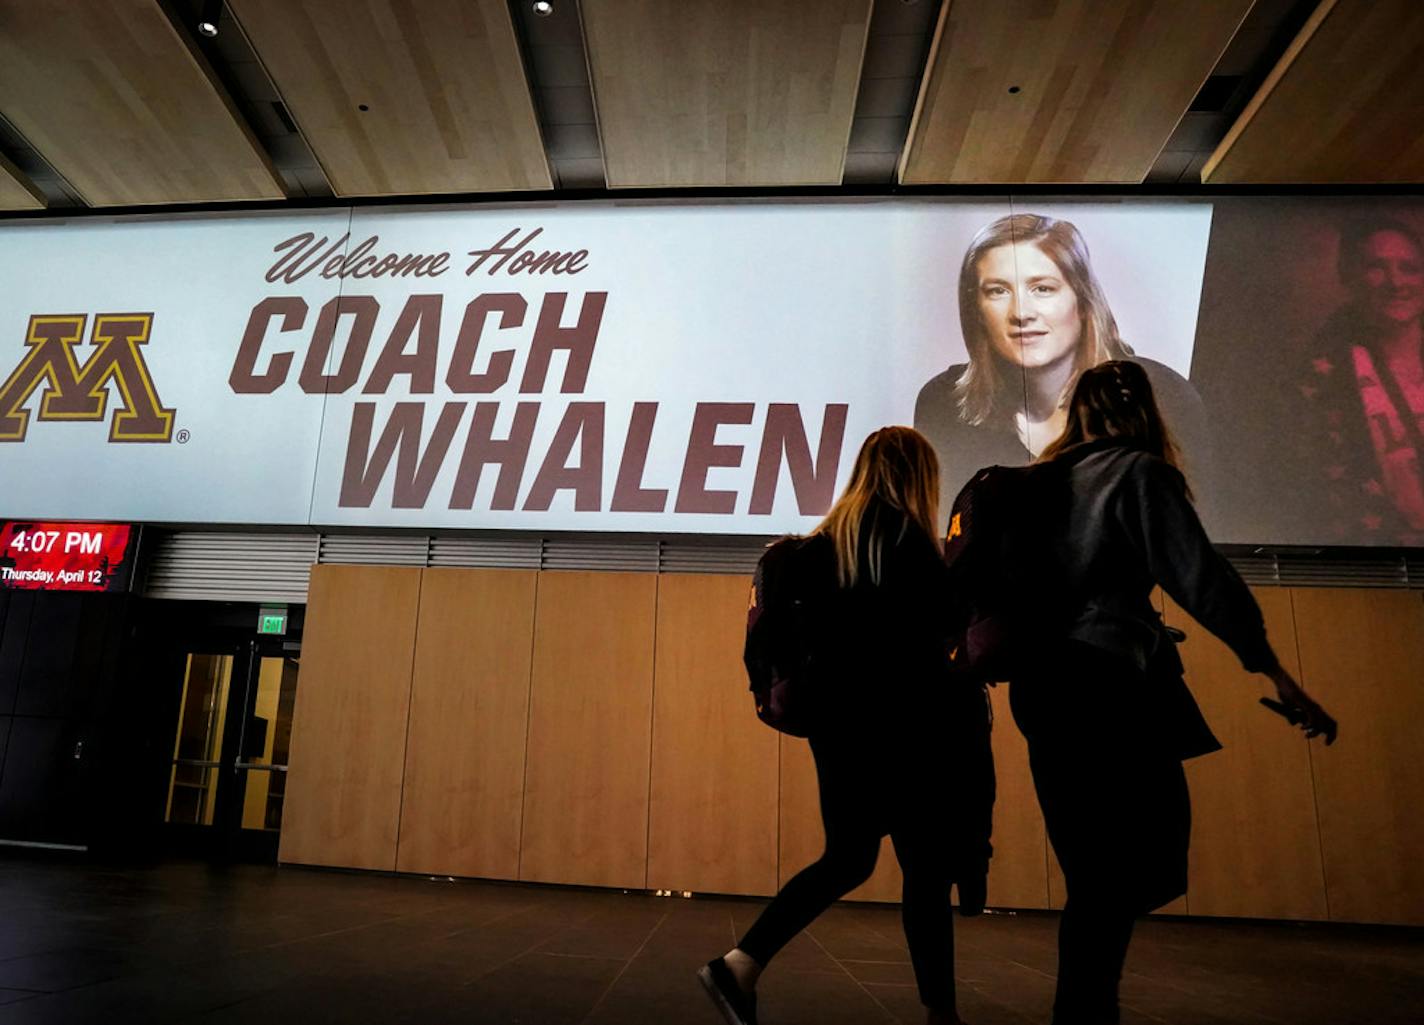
705, 368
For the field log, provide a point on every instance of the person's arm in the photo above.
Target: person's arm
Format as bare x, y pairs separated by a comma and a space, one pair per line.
1161, 523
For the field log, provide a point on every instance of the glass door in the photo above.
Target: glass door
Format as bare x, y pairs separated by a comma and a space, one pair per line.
228, 778
260, 772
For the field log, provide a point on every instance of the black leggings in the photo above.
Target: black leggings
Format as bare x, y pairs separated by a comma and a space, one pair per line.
858, 807
1115, 801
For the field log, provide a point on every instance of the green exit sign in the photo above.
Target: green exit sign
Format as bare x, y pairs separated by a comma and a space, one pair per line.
272, 621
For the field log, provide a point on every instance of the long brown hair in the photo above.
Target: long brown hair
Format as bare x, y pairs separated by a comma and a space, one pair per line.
981, 388
1114, 400
896, 466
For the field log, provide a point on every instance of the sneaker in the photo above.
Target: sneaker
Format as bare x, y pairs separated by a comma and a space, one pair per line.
737, 1006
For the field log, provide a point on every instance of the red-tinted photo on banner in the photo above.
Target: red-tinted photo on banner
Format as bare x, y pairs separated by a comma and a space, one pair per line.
36, 556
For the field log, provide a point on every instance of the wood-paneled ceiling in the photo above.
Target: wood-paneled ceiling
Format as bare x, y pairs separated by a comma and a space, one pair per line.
112, 93
122, 102
402, 98
1070, 92
725, 92
1297, 130
17, 192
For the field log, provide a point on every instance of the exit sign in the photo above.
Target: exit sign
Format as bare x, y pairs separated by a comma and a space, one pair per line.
272, 621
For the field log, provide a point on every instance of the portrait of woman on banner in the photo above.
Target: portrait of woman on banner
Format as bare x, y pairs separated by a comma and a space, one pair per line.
1362, 389
1034, 317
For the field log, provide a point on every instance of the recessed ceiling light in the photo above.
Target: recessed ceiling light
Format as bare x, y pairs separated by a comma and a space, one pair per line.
543, 8
208, 20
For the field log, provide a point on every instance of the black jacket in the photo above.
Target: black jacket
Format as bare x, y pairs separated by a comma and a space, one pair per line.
963, 448
1118, 521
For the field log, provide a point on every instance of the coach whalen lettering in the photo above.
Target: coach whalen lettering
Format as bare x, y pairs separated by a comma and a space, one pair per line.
75, 392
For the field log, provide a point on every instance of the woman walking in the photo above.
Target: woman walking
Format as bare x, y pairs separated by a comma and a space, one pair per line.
899, 750
1095, 682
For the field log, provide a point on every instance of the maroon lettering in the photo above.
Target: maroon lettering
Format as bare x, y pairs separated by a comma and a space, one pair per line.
629, 495
703, 453
244, 379
304, 253
521, 260
303, 247
481, 449
363, 310
583, 422
416, 471
421, 317
346, 263
499, 249
578, 341
785, 436
461, 376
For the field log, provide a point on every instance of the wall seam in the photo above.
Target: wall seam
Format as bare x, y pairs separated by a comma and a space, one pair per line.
1310, 762
409, 714
528, 723
652, 727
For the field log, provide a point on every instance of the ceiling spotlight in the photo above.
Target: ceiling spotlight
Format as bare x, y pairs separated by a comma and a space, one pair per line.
208, 21
543, 8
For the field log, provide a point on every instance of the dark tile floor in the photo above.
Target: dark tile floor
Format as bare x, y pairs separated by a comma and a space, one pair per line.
206, 945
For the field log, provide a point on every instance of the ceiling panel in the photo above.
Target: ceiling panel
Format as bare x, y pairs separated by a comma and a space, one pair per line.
724, 92
1060, 91
1343, 106
122, 106
397, 97
16, 191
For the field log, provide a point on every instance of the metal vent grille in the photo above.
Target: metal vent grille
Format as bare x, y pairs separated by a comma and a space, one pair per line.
691, 557
1260, 570
213, 566
638, 556
199, 566
498, 553
1315, 572
375, 549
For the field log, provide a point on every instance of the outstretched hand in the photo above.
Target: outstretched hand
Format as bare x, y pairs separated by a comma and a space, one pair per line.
1299, 709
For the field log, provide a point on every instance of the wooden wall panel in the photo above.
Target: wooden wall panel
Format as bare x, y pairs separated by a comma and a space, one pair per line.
1099, 87
1335, 107
1362, 657
447, 102
590, 730
1255, 841
124, 107
17, 192
724, 92
713, 817
349, 725
1018, 874
469, 710
802, 837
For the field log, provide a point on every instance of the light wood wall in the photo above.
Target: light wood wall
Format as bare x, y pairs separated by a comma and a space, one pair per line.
469, 716
587, 774
347, 759
595, 728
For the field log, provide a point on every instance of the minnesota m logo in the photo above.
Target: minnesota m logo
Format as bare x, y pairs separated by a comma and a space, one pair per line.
74, 392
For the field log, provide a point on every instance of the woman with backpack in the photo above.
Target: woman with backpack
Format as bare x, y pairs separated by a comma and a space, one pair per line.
862, 609
1060, 559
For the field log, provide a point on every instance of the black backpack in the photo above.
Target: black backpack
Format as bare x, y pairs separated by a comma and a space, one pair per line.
794, 577
998, 549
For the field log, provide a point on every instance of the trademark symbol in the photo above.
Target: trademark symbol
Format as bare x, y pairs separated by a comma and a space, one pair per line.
183, 437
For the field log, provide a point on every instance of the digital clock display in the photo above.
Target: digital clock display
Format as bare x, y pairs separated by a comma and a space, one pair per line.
65, 556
